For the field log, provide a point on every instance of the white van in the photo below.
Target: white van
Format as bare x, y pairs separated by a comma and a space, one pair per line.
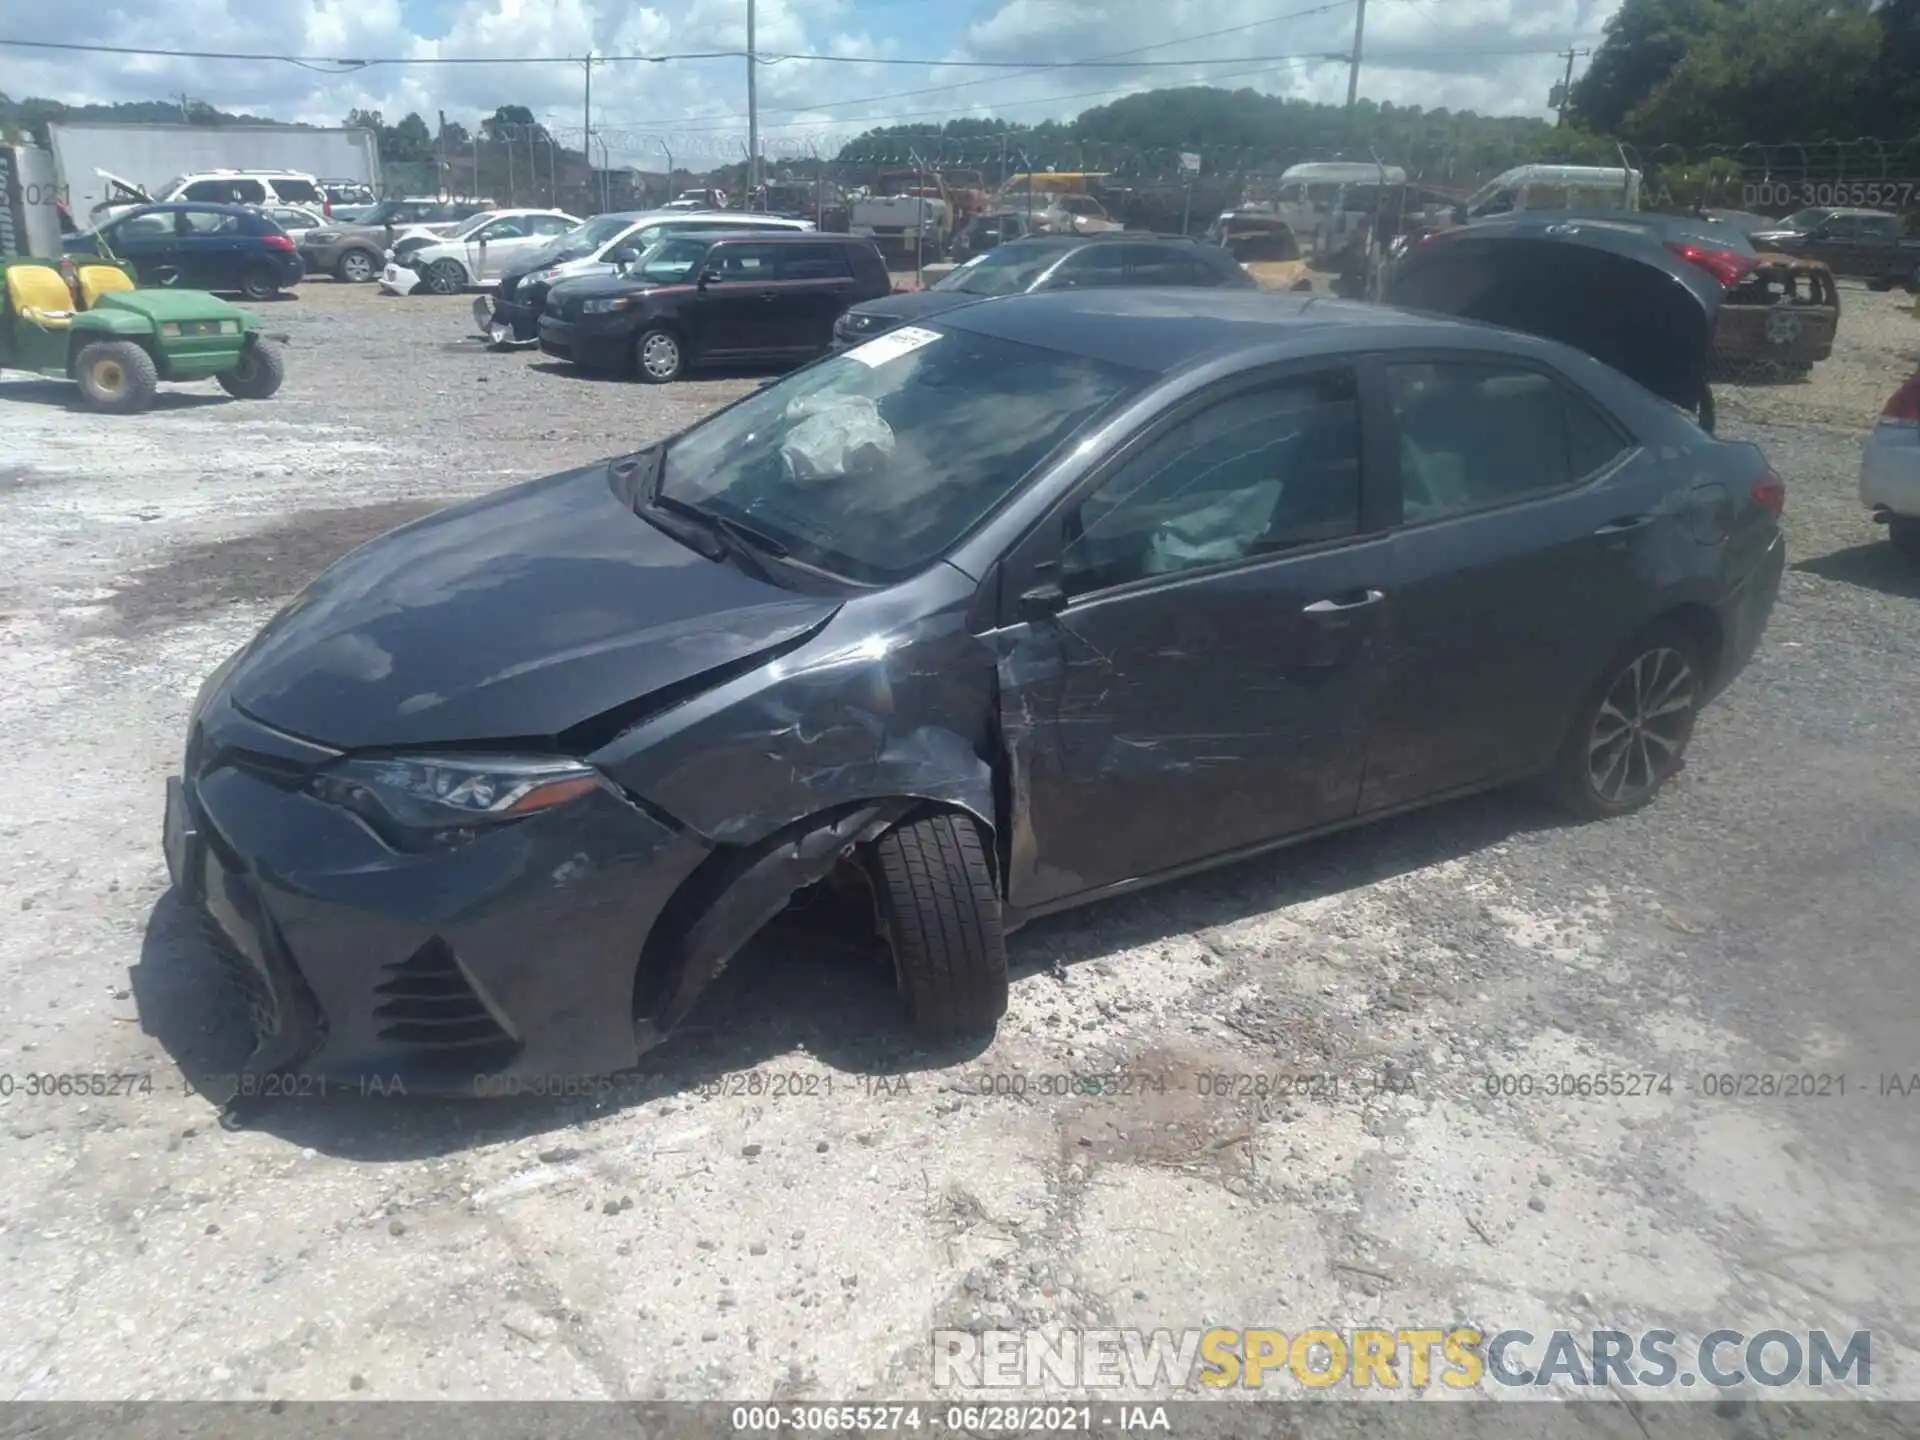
1556, 187
1309, 195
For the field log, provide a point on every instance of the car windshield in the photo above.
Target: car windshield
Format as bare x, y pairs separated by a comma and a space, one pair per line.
583, 240
1009, 270
672, 260
874, 463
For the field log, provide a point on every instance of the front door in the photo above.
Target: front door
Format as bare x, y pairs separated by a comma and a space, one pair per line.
740, 310
817, 281
149, 240
1514, 575
1836, 245
210, 245
1192, 670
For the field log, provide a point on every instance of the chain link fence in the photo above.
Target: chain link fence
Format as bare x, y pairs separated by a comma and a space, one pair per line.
1160, 187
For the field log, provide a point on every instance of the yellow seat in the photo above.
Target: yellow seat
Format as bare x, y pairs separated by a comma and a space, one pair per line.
98, 280
39, 296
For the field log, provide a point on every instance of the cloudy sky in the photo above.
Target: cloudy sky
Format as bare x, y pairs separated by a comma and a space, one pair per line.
1487, 55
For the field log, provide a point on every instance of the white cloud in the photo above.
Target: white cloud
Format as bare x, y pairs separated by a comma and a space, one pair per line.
1417, 52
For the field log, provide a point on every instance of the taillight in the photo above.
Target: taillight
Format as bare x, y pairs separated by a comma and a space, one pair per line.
1726, 266
1904, 406
326, 206
279, 242
1770, 494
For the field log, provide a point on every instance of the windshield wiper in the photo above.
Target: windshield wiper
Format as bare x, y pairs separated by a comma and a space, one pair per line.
735, 537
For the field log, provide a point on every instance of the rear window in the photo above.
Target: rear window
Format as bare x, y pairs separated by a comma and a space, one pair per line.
814, 262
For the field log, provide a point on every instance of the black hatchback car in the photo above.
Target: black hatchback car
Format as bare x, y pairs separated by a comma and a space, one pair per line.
1042, 600
233, 248
753, 295
1053, 262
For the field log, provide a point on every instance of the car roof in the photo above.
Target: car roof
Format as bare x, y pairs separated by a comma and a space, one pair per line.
1161, 330
779, 236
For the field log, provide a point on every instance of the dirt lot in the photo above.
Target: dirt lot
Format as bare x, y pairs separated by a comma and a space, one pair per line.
713, 1235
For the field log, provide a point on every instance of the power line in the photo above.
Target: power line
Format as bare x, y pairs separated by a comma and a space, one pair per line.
989, 79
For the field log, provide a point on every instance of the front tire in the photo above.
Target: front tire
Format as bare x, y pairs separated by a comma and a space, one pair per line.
1631, 734
1904, 533
658, 357
356, 267
257, 282
444, 277
257, 374
116, 376
940, 910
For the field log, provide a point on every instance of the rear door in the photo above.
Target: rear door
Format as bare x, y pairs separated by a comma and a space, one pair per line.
211, 245
1516, 568
816, 287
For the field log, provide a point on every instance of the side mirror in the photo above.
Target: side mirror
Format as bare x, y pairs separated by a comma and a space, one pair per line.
711, 277
1043, 601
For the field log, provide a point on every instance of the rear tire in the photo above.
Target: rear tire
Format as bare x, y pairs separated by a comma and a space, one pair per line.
1631, 733
940, 910
257, 282
1904, 533
116, 376
258, 373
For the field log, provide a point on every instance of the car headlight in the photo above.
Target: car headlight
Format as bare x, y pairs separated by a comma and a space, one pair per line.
548, 275
608, 305
439, 797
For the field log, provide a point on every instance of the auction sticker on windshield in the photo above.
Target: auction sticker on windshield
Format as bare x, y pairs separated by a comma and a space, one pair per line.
892, 345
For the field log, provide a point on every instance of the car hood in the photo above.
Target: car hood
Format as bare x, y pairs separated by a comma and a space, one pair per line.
164, 305
919, 305
512, 617
1615, 293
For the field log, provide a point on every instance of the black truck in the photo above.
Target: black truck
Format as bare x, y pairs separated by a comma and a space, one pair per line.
1864, 245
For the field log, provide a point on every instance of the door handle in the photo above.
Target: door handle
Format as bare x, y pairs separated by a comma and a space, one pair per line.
1350, 603
1625, 524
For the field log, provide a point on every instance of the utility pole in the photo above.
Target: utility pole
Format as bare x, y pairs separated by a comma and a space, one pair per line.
1566, 85
442, 172
753, 111
1353, 65
586, 127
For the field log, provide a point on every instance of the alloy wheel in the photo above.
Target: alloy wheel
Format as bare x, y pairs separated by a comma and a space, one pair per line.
1641, 726
356, 267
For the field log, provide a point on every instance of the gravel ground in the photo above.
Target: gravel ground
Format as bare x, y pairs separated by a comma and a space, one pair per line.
706, 1237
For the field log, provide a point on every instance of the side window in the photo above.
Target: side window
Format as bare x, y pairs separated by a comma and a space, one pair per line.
550, 225
150, 226
744, 264
1475, 435
1592, 441
209, 191
503, 230
297, 192
1088, 266
814, 262
1839, 227
1880, 229
208, 222
1154, 266
1262, 472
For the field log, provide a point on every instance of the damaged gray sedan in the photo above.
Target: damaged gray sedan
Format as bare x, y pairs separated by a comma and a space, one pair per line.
1053, 598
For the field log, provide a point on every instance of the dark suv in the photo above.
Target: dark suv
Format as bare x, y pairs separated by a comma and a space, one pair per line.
694, 299
1053, 262
199, 247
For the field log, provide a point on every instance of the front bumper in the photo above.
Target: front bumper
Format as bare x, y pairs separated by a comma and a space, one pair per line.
398, 279
465, 970
1890, 469
521, 322
596, 342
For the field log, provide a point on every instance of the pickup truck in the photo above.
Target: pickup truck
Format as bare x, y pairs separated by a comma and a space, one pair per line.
1854, 244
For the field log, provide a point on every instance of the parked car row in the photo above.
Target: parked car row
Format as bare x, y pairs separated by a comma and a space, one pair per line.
1052, 593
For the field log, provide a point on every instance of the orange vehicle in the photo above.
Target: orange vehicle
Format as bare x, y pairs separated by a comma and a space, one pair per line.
1266, 248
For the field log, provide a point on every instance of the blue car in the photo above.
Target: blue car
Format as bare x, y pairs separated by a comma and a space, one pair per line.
231, 248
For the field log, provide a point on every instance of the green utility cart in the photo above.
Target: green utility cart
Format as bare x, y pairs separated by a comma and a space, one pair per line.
82, 319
